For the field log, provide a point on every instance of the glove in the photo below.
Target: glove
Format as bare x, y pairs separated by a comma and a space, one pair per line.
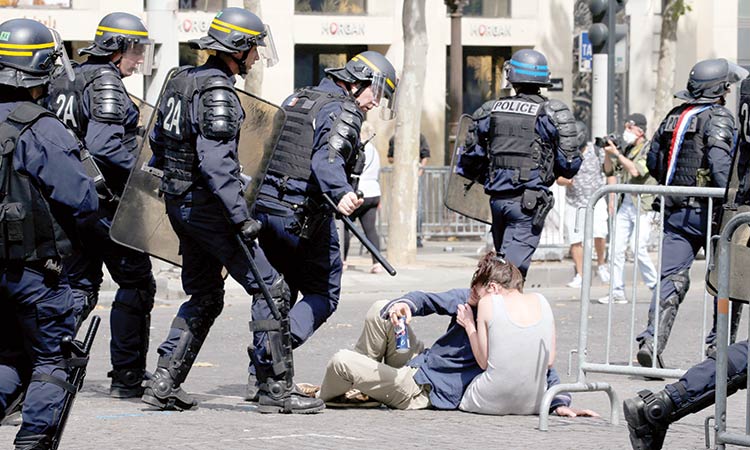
249, 230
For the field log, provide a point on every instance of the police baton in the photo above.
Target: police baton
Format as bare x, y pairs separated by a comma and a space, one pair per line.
258, 279
76, 355
362, 238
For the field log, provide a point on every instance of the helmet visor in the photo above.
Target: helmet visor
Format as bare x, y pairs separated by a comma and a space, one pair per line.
384, 94
138, 57
736, 73
61, 56
267, 48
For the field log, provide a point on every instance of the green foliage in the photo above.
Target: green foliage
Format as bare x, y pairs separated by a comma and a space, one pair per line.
676, 8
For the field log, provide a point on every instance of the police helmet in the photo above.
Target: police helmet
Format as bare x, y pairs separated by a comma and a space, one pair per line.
238, 30
711, 79
28, 53
116, 31
373, 68
527, 67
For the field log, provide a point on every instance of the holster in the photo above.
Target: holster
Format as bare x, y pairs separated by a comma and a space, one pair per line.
538, 202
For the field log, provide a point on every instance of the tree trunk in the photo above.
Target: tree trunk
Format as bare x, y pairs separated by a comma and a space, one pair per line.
254, 78
402, 221
670, 15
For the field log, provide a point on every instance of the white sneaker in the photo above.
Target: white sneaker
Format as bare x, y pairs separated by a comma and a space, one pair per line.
575, 282
603, 272
616, 298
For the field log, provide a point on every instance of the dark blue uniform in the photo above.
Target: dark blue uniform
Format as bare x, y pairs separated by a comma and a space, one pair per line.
106, 120
207, 210
311, 264
514, 147
704, 159
38, 308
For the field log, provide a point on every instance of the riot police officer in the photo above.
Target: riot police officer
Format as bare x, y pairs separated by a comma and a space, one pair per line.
44, 189
517, 146
692, 147
316, 156
195, 141
97, 107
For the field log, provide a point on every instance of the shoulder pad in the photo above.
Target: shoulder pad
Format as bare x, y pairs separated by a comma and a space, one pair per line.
719, 129
345, 132
219, 112
484, 110
109, 101
562, 118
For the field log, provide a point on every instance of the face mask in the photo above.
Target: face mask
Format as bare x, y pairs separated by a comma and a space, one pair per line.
629, 137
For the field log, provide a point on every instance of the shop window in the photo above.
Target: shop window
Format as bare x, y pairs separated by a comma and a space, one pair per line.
487, 8
35, 3
330, 6
482, 73
202, 5
310, 61
190, 56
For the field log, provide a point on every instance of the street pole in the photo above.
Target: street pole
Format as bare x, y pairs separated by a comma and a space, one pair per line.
455, 91
162, 23
612, 20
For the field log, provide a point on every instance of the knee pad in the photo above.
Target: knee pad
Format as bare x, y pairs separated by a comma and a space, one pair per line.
136, 300
681, 281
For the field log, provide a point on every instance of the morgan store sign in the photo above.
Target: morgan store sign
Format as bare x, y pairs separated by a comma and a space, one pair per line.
342, 29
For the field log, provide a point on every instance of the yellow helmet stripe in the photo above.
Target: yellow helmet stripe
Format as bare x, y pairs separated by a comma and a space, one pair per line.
234, 27
28, 46
225, 30
100, 30
375, 68
12, 53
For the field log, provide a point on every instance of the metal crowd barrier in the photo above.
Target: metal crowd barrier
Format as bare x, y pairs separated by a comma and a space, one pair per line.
438, 221
722, 436
585, 363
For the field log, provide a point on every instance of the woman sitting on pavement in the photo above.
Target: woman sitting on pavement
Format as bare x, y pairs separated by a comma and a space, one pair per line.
512, 339
421, 377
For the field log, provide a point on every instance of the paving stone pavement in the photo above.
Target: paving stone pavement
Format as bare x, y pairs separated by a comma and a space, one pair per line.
225, 421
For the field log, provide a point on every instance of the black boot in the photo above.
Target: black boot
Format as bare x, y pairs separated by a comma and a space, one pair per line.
645, 355
162, 392
647, 416
33, 442
281, 396
127, 383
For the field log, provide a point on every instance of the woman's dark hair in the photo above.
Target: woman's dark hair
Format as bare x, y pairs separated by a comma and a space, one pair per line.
495, 268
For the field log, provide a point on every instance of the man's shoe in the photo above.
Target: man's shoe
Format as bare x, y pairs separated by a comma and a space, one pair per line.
645, 357
161, 392
275, 397
353, 398
647, 434
603, 272
127, 383
617, 298
575, 282
251, 390
33, 442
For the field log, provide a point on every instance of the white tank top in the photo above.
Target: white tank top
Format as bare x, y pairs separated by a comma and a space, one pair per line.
516, 375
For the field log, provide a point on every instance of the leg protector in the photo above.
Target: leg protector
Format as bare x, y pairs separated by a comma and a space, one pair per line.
277, 392
163, 389
669, 306
86, 302
130, 323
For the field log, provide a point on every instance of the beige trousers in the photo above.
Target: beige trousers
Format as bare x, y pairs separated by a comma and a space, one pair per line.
375, 368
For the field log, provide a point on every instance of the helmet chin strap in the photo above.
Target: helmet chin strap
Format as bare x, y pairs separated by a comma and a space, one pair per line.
241, 61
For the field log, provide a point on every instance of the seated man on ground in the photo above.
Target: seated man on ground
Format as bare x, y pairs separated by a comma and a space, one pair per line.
420, 377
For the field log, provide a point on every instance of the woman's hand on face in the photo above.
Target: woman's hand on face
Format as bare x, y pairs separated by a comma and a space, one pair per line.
465, 318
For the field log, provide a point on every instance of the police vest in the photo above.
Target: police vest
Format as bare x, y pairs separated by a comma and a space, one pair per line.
691, 155
28, 231
65, 99
515, 145
174, 123
293, 153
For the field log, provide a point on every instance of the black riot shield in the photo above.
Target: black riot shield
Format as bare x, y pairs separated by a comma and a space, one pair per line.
465, 196
141, 221
737, 200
